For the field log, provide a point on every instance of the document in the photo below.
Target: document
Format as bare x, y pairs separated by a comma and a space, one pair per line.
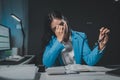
56, 70
75, 68
85, 68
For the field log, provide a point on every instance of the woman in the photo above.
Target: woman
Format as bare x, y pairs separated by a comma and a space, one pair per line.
65, 46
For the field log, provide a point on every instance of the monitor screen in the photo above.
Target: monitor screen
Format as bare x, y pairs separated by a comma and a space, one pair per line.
4, 38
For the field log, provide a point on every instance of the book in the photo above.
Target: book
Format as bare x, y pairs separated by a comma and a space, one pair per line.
75, 68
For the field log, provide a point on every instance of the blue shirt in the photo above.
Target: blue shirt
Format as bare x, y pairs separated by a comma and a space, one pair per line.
81, 50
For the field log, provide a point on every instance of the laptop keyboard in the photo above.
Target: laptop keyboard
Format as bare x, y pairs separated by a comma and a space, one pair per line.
6, 62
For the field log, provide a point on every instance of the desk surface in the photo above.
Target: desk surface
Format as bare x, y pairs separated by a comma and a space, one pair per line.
83, 75
28, 72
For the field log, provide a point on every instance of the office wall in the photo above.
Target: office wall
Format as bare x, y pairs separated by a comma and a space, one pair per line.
85, 16
20, 9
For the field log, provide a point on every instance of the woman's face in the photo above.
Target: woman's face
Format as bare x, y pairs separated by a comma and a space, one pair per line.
56, 22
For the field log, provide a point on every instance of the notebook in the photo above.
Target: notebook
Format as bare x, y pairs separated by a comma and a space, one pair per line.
75, 68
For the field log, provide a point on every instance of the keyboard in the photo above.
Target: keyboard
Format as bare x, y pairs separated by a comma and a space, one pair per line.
7, 62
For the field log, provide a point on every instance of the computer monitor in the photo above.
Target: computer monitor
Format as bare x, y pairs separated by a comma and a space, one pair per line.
4, 38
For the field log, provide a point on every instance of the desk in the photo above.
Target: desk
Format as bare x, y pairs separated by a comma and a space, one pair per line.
99, 75
81, 76
29, 72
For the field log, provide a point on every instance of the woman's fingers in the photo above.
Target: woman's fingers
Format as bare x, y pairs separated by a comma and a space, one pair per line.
104, 31
101, 29
107, 31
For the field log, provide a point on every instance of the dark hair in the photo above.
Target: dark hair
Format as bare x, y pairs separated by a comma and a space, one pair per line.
47, 28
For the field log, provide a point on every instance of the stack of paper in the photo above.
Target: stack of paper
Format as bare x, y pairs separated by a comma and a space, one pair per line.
75, 68
56, 70
84, 68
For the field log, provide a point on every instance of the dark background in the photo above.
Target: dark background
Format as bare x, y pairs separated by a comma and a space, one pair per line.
84, 15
